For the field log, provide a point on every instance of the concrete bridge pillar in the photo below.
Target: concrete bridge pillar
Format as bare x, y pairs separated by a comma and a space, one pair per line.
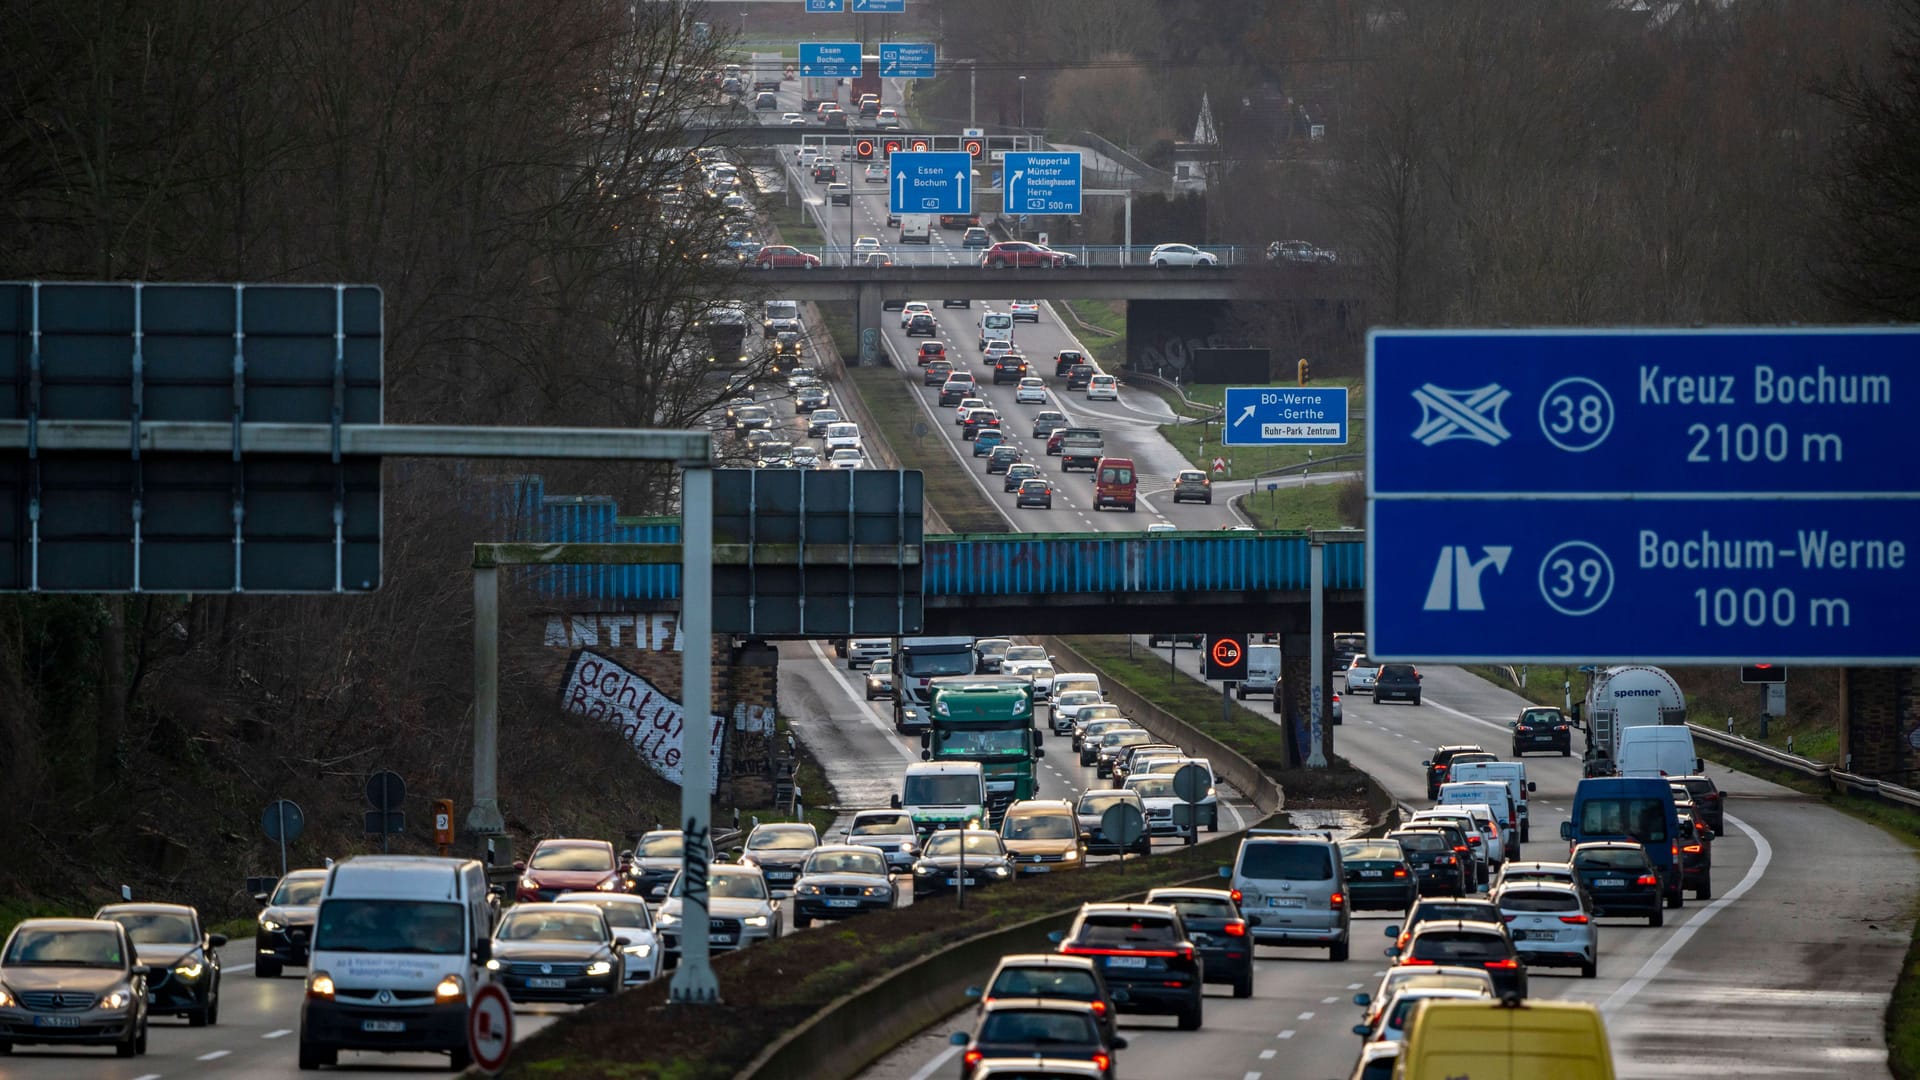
1296, 687
1880, 707
867, 315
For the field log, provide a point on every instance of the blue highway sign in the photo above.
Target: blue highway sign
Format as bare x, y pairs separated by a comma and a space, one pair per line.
930, 182
1811, 581
880, 7
1043, 183
906, 60
830, 59
1642, 412
1285, 416
826, 7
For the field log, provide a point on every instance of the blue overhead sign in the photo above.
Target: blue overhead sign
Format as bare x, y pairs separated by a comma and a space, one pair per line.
1642, 412
1798, 581
880, 7
830, 59
1285, 416
906, 60
1043, 183
826, 7
930, 182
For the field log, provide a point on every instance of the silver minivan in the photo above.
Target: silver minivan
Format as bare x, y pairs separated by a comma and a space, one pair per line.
1291, 886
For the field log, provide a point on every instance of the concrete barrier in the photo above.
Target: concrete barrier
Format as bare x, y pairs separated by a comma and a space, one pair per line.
1228, 764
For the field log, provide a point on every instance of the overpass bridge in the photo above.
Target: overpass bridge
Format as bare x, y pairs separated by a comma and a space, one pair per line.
874, 285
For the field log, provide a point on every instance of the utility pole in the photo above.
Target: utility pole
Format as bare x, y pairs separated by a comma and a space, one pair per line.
973, 84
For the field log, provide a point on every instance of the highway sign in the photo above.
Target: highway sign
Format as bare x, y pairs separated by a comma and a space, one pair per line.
1226, 657
1642, 412
930, 182
1122, 825
830, 59
1043, 183
1286, 416
1710, 581
282, 821
826, 7
906, 60
490, 1028
880, 7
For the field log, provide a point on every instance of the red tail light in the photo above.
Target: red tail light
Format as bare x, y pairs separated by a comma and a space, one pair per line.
1101, 1061
1508, 918
971, 1058
1236, 928
1099, 1008
1409, 961
1574, 920
1691, 849
1235, 894
1400, 873
1459, 847
1503, 965
1646, 879
1336, 901
1473, 839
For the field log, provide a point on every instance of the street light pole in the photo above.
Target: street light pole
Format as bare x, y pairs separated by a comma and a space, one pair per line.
1023, 103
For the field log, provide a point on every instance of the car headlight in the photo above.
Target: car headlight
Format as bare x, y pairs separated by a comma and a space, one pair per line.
320, 984
190, 971
639, 949
119, 999
527, 882
493, 965
807, 890
923, 868
667, 918
758, 922
6, 998
1071, 855
599, 967
608, 884
997, 871
271, 926
451, 988
876, 890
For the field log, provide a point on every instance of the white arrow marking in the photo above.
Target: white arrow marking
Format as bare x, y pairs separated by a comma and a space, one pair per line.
900, 189
1245, 415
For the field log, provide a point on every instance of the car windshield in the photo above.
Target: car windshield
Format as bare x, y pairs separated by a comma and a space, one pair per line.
1643, 819
731, 886
662, 846
621, 914
1448, 946
156, 928
1097, 802
753, 412
942, 790
978, 843
1038, 1026
1099, 712
1422, 842
825, 416
1369, 851
882, 667
1611, 859
895, 825
1286, 862
1203, 907
1034, 487
841, 431
390, 926
571, 858
530, 924
298, 892
64, 948
1069, 983
1041, 827
1152, 787
1072, 698
932, 665
847, 862
782, 840
966, 744
1468, 910
1124, 737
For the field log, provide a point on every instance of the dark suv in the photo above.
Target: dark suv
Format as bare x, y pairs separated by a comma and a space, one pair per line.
1469, 944
1142, 949
1708, 801
1079, 375
1435, 864
1437, 766
1397, 682
1542, 729
1219, 930
1621, 880
1009, 368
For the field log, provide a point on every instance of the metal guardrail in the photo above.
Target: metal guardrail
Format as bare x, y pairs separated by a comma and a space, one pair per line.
1083, 255
1838, 779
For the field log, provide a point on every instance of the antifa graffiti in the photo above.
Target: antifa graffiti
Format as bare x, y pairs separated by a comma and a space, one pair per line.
654, 633
600, 689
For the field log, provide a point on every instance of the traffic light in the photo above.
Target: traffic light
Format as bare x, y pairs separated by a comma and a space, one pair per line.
893, 147
863, 150
1765, 674
974, 148
1305, 371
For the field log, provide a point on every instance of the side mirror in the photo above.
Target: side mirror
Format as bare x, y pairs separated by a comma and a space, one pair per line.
1226, 871
1363, 1000
1566, 830
496, 890
1120, 996
1362, 1030
975, 992
1086, 838
216, 940
140, 969
519, 867
1039, 751
1119, 1042
261, 898
1056, 936
1393, 932
482, 950
1426, 764
1531, 786
1699, 765
958, 1038
1513, 723
625, 855
896, 802
1393, 952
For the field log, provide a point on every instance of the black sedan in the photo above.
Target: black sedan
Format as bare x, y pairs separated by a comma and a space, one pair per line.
1033, 1028
557, 952
779, 849
944, 865
839, 881
1018, 471
1621, 880
1218, 930
183, 977
284, 928
922, 324
1379, 877
1539, 729
655, 860
1430, 854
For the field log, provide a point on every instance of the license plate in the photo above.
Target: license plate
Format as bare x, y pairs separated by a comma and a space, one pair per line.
1285, 901
1372, 873
720, 939
1038, 869
956, 881
387, 1026
1543, 738
1127, 961
843, 903
1610, 882
1535, 935
56, 1021
546, 984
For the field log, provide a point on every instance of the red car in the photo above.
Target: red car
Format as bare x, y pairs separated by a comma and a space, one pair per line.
558, 866
1053, 441
931, 351
1021, 253
784, 257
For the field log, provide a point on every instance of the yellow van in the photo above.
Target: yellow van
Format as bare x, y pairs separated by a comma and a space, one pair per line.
1505, 1040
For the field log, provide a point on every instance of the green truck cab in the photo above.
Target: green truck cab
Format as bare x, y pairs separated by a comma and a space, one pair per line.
988, 719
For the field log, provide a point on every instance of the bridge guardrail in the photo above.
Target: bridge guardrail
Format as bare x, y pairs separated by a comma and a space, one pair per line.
1083, 256
1838, 780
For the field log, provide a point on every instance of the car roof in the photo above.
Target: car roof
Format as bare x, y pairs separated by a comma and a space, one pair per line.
65, 923
1047, 960
147, 909
572, 841
733, 868
845, 849
589, 898
1030, 1003
1160, 910
551, 905
1183, 893
1029, 1066
1471, 926
1607, 845
1567, 887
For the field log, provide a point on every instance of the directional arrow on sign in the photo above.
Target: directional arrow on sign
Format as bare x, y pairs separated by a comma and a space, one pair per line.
1246, 414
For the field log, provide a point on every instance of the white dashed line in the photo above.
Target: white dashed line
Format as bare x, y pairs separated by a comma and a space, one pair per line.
1353, 986
1287, 1034
1328, 1000
278, 1033
1304, 1016
215, 1055
148, 1076
1269, 1054
1251, 1076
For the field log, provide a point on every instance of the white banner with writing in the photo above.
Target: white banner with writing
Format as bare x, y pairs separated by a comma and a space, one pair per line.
600, 689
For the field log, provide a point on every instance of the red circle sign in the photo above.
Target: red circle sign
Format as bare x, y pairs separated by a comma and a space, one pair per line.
490, 1028
1226, 652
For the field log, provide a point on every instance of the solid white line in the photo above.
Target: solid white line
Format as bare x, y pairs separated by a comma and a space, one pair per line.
860, 698
935, 1065
277, 1033
1763, 854
214, 1055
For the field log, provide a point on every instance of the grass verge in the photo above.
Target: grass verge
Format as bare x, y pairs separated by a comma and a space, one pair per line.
1200, 443
1254, 734
1316, 506
890, 400
769, 988
1110, 348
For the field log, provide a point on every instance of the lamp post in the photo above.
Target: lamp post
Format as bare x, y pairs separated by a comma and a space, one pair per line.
1023, 103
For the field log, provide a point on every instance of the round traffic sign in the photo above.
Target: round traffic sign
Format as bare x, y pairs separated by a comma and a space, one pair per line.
490, 1028
1122, 824
1191, 783
1226, 652
282, 821
386, 791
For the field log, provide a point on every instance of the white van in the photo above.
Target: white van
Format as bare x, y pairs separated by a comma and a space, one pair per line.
1511, 773
1492, 835
1658, 750
400, 945
995, 326
1263, 671
916, 228
943, 794
1495, 796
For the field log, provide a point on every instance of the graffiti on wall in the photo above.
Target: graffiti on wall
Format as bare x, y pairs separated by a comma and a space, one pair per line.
655, 633
649, 719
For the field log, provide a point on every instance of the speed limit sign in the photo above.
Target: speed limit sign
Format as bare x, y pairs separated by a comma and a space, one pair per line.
490, 1028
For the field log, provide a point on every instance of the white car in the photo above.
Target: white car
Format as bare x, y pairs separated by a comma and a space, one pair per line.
887, 118
874, 174
995, 349
1025, 309
1163, 527
1103, 388
1391, 1024
1516, 873
1167, 765
966, 406
793, 119
632, 925
847, 457
842, 436
1181, 255
1551, 925
912, 308
1156, 792
1031, 391
1042, 676
1361, 674
808, 154
865, 244
736, 896
736, 202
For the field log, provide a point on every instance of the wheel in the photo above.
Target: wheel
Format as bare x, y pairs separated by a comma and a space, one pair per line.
1337, 952
1590, 969
198, 1018
1208, 500
1566, 751
1677, 899
1243, 986
1704, 891
128, 1046
869, 695
460, 1059
1240, 692
1160, 264
266, 969
1416, 699
801, 922
1190, 1017
1658, 918
1213, 821
1526, 833
140, 1040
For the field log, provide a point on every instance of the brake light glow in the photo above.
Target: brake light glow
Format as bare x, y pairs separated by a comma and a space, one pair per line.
1504, 917
1184, 952
1691, 849
1503, 965
1101, 1061
1235, 894
1099, 1008
1646, 879
1336, 901
1409, 961
1401, 872
1459, 847
1574, 920
971, 1058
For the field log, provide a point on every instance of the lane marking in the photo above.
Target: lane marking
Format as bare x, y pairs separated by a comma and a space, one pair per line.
1269, 1054
1287, 1034
1330, 1000
865, 713
248, 966
1304, 1016
215, 1055
937, 1063
148, 1076
1353, 986
278, 1033
1763, 854
1251, 1076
